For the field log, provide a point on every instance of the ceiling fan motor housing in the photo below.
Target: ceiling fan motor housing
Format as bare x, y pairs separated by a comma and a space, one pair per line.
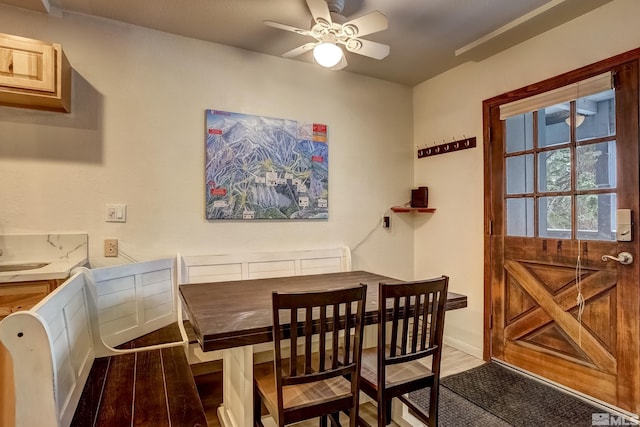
336, 6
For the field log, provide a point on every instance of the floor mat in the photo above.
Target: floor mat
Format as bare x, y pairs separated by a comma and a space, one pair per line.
513, 398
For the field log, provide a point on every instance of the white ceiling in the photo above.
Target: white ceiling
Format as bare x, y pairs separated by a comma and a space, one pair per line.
424, 35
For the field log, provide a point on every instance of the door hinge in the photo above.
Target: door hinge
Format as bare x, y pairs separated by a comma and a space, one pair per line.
491, 321
490, 228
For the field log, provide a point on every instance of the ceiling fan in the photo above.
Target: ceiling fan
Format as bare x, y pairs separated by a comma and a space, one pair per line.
331, 29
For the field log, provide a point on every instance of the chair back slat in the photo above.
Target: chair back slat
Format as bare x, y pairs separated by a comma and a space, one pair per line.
322, 337
334, 337
416, 323
308, 335
424, 326
404, 327
394, 326
347, 335
293, 368
434, 324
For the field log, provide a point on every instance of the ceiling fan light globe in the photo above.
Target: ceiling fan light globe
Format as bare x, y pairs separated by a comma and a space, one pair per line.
327, 54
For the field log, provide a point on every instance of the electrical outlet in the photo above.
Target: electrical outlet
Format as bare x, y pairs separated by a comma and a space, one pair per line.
111, 247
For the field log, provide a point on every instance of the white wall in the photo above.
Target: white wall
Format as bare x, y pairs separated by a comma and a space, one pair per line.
136, 136
451, 240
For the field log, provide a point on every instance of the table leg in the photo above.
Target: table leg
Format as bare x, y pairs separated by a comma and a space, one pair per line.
237, 394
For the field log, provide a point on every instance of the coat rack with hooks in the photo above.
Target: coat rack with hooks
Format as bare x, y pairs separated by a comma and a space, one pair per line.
447, 147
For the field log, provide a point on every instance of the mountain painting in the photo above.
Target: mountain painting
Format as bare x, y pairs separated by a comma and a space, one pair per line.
263, 168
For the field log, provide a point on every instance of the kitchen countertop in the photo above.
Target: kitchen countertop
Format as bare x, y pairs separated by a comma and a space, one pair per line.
62, 252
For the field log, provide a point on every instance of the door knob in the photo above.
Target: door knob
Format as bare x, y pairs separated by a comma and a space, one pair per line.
624, 258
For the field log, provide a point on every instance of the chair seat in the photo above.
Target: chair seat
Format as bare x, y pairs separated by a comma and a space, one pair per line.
298, 395
401, 373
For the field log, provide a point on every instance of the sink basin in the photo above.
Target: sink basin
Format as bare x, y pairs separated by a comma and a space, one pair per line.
22, 266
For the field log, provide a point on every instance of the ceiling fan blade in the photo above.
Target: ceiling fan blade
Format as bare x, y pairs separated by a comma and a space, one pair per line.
368, 48
367, 24
288, 28
342, 64
299, 50
319, 10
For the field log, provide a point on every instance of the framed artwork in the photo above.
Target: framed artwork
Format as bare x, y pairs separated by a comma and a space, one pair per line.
264, 168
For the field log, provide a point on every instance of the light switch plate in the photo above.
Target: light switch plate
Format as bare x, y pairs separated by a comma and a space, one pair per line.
115, 213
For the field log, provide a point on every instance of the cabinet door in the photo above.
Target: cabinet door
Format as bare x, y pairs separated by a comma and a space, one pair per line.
27, 64
22, 295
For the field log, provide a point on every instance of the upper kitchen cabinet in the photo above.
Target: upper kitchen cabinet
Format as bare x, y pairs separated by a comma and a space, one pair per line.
34, 74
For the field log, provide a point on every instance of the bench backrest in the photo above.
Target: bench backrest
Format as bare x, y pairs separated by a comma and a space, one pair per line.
135, 299
242, 266
52, 346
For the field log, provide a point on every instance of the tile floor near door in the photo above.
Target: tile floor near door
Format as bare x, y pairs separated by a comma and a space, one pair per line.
210, 386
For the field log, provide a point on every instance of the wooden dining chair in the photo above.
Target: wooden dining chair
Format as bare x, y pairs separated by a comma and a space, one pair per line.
318, 377
413, 331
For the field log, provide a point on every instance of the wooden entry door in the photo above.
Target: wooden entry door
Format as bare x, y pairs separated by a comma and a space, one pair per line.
551, 213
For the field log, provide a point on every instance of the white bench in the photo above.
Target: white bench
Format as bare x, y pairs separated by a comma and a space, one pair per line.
55, 344
257, 265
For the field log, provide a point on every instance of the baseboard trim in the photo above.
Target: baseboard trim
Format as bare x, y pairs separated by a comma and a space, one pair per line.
464, 347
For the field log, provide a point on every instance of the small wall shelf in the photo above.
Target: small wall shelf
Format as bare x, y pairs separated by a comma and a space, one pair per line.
403, 209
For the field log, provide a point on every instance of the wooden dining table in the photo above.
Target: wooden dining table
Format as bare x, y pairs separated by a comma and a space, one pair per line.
236, 317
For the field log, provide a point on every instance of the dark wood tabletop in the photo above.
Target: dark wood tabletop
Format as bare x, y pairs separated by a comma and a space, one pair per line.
238, 313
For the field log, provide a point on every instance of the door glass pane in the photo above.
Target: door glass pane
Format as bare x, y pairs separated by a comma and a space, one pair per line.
520, 133
596, 115
520, 174
596, 166
554, 170
552, 125
520, 217
596, 216
554, 219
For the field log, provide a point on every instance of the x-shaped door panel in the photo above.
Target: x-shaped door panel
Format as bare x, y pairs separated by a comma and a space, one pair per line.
556, 309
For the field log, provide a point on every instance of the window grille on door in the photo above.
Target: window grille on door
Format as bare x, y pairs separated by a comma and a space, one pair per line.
560, 163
